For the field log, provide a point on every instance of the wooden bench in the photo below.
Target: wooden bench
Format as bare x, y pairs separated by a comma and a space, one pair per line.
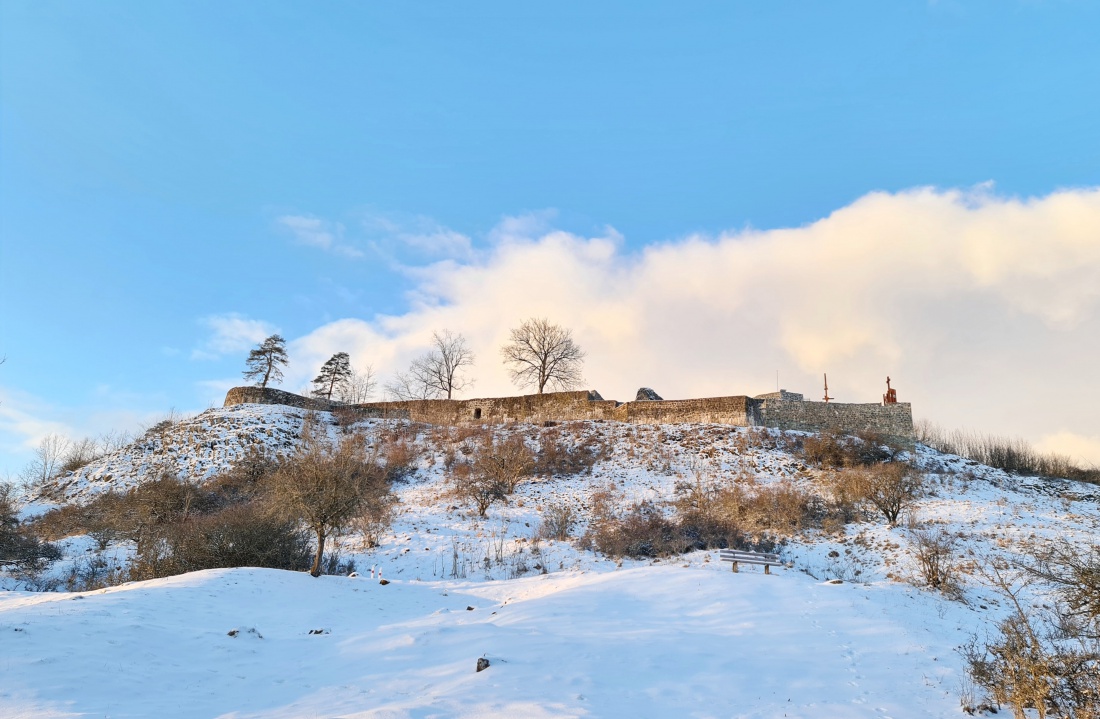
736, 556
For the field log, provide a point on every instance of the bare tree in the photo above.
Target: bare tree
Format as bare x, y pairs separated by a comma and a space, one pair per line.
359, 386
265, 363
404, 387
439, 373
891, 486
49, 457
493, 472
540, 354
328, 487
334, 374
505, 462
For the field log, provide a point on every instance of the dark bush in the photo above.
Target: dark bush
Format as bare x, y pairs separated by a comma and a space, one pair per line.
643, 531
19, 546
238, 536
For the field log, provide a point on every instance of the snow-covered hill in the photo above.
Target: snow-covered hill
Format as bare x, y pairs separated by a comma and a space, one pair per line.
569, 633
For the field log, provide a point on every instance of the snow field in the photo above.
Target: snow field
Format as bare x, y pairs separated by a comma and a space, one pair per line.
645, 642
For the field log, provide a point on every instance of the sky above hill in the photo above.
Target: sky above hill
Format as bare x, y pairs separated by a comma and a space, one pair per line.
707, 194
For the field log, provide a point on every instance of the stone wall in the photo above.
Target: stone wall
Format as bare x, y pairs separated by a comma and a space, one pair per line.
270, 395
739, 411
776, 410
893, 419
553, 406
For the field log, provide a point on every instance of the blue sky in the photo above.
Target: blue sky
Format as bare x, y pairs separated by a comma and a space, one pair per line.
168, 170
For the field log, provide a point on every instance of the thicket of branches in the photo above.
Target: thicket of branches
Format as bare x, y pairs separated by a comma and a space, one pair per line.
707, 514
1044, 657
263, 512
1007, 453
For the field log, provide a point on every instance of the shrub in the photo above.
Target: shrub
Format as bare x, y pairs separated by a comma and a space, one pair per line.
504, 462
707, 515
934, 552
20, 547
239, 536
399, 457
890, 487
847, 493
557, 521
248, 479
561, 456
481, 489
832, 449
726, 514
642, 531
826, 449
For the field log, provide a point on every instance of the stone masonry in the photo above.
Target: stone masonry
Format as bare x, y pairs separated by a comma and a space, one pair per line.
780, 410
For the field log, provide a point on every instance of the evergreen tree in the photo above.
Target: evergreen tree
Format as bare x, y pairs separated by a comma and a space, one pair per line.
265, 362
334, 375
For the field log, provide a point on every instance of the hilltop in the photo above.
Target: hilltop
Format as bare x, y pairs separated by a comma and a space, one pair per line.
844, 628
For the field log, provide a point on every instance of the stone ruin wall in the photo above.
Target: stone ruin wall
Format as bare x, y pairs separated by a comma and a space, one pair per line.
895, 420
779, 411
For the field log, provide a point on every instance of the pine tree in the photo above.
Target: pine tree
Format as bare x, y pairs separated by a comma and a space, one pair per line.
265, 362
334, 375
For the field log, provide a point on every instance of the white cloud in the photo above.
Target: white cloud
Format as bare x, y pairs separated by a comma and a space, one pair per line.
316, 232
417, 237
983, 309
231, 333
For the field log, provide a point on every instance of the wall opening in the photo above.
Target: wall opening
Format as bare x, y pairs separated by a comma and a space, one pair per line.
477, 413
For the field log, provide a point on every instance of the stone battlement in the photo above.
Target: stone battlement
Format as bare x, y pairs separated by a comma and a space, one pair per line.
779, 410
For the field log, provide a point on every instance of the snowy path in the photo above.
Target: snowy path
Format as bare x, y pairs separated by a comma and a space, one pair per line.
652, 641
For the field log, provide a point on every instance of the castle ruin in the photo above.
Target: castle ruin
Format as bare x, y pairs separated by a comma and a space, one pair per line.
779, 410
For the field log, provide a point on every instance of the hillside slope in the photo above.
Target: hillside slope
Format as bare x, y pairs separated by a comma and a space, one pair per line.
573, 633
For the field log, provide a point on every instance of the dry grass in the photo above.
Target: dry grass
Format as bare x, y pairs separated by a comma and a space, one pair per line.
1007, 453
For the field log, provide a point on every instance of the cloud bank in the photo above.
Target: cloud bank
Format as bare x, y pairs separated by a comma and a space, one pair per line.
983, 309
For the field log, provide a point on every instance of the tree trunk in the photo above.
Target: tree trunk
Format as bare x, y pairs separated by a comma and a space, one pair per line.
316, 570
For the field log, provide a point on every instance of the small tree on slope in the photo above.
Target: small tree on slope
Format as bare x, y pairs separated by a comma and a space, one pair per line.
265, 362
328, 487
334, 376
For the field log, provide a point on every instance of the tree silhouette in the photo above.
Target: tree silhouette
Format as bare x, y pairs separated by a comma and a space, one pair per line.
540, 354
265, 362
334, 375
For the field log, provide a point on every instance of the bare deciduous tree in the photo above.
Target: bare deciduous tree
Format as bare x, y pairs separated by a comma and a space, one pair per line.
359, 386
48, 459
328, 487
540, 354
493, 472
265, 363
888, 487
404, 387
441, 369
436, 374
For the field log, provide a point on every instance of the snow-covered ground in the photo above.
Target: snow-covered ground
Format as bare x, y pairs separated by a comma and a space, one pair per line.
656, 641
568, 633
